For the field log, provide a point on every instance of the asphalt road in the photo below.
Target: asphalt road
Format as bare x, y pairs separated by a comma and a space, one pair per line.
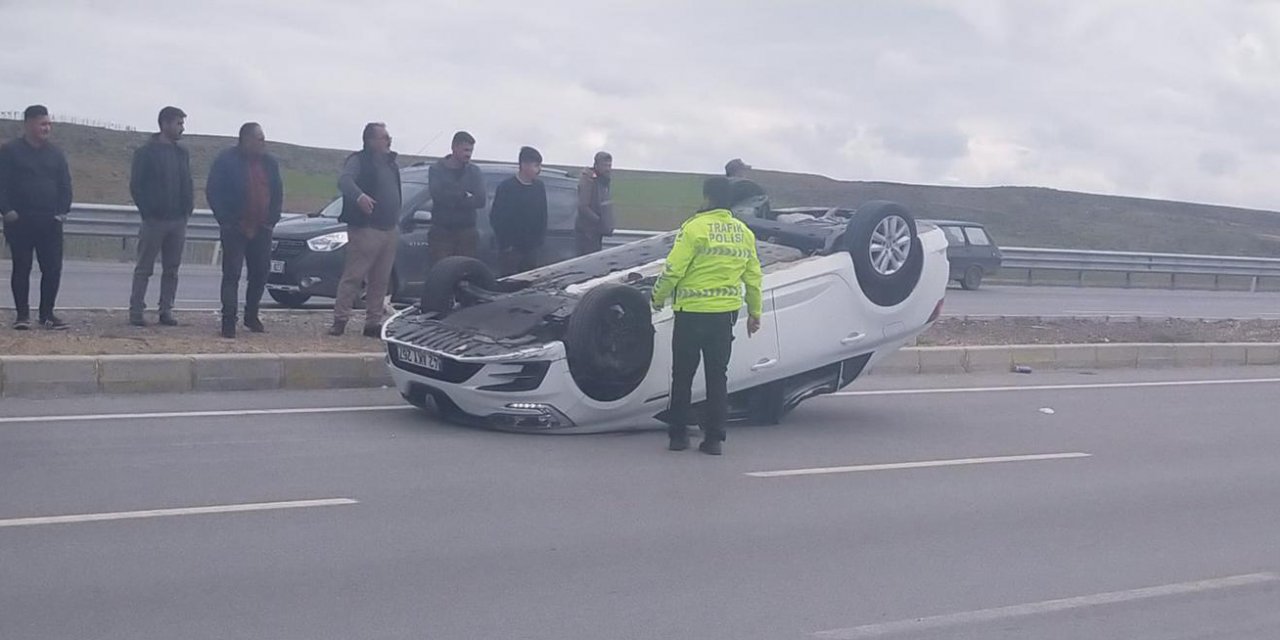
1144, 512
99, 285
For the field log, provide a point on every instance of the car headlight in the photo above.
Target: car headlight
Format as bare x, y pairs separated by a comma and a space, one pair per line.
328, 242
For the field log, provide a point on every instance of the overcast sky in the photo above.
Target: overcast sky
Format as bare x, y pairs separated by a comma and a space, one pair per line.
1161, 98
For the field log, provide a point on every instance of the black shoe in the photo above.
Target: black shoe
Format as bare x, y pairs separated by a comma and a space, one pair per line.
338, 329
138, 320
22, 324
229, 329
54, 323
254, 324
168, 320
679, 440
374, 331
710, 447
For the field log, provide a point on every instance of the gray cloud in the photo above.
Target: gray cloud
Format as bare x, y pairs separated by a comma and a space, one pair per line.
1097, 96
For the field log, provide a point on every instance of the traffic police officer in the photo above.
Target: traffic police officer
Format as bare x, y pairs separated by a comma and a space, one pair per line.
709, 270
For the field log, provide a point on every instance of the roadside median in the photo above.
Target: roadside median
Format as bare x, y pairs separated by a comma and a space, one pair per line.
102, 354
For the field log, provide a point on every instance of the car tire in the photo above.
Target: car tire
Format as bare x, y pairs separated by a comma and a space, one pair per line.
289, 298
876, 237
609, 341
972, 279
440, 287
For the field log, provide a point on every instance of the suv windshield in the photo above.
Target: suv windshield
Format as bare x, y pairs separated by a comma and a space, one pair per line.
409, 192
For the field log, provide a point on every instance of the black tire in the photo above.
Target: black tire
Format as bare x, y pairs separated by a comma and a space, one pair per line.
609, 341
289, 298
440, 287
885, 281
972, 279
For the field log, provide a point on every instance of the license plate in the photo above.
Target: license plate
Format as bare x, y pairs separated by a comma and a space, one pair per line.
277, 266
418, 357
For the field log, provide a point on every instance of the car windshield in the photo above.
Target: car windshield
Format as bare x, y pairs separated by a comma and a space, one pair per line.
409, 192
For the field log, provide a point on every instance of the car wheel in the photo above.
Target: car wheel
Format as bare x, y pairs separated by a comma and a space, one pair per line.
440, 288
887, 254
972, 278
289, 298
609, 340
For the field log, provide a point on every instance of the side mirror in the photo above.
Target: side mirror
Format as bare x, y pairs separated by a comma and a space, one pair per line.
422, 216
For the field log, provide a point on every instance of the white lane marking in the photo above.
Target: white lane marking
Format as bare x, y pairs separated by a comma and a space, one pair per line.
915, 465
201, 414
185, 511
1058, 387
1047, 606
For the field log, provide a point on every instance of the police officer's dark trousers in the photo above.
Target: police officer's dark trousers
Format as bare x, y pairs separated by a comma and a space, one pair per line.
705, 337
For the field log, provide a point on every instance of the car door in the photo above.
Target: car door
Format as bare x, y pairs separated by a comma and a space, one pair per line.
562, 213
411, 254
817, 319
959, 254
983, 250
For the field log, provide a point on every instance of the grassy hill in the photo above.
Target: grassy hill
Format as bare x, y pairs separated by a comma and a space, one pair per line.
1024, 216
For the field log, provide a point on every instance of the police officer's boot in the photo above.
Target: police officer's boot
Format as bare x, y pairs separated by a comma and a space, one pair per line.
679, 439
710, 446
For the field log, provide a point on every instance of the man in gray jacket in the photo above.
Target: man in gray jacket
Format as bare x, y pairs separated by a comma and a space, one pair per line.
161, 185
457, 192
595, 205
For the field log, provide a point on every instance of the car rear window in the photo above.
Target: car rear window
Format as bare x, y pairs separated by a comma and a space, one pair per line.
955, 236
977, 237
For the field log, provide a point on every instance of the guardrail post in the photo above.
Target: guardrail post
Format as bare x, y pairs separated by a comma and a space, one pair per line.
1215, 281
1128, 279
217, 252
1253, 285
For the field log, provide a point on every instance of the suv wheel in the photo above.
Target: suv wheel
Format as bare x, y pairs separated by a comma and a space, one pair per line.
289, 298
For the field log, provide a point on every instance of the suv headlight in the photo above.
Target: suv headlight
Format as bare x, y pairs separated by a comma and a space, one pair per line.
328, 242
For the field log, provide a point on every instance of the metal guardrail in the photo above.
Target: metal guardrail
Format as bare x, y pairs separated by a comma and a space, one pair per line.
122, 221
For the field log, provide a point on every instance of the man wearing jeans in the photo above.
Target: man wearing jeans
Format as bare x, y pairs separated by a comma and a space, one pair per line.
246, 194
35, 196
370, 185
160, 182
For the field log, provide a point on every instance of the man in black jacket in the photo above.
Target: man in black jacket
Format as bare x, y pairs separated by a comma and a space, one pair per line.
246, 194
457, 192
162, 189
35, 196
370, 185
519, 215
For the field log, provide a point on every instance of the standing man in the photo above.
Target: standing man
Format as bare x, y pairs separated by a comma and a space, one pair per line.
35, 196
714, 257
736, 168
370, 185
246, 194
457, 192
519, 215
595, 205
162, 189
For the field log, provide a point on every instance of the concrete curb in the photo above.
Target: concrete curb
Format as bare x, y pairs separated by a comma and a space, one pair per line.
27, 376
44, 376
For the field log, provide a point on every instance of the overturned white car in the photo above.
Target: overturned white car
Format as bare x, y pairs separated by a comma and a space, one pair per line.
575, 347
